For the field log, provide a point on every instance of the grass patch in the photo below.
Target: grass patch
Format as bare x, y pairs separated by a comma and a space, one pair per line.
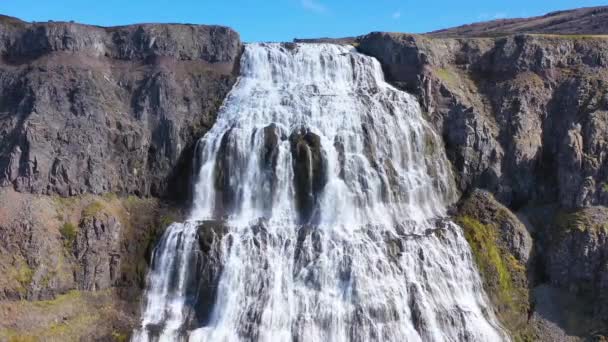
68, 233
448, 76
577, 221
69, 329
24, 275
120, 336
92, 209
110, 196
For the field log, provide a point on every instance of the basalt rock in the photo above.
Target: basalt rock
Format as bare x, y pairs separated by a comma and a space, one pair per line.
97, 250
577, 256
210, 236
513, 234
309, 167
94, 110
522, 116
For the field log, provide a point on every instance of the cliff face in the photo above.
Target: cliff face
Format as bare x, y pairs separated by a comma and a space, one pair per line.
524, 117
87, 113
94, 110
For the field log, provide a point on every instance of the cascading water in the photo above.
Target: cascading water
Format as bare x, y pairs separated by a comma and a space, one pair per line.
331, 190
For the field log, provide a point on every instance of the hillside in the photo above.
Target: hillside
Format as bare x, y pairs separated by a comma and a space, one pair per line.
582, 21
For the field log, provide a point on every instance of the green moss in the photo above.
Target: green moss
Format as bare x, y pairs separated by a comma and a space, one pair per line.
68, 234
503, 276
64, 201
92, 209
577, 221
605, 186
59, 300
488, 256
132, 200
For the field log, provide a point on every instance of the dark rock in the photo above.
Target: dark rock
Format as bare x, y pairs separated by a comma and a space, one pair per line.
227, 173
501, 248
97, 250
521, 116
514, 236
272, 138
310, 171
577, 255
210, 236
94, 110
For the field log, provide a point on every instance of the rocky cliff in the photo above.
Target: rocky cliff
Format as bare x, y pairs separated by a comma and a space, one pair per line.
524, 117
94, 110
96, 124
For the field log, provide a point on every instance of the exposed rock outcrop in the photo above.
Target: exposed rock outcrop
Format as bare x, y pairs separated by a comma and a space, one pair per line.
501, 246
91, 110
94, 110
522, 116
84, 250
310, 171
512, 233
525, 118
577, 255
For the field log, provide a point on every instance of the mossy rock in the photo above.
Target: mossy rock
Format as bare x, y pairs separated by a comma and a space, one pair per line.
504, 277
68, 233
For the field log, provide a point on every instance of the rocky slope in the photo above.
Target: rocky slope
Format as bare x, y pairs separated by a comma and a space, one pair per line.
94, 110
582, 21
96, 124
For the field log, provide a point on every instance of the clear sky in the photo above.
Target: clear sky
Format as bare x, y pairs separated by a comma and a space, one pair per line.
283, 20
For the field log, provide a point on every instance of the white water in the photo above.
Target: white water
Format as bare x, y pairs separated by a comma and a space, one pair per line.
373, 260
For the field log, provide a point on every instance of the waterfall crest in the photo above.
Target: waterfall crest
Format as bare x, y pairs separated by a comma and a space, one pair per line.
319, 215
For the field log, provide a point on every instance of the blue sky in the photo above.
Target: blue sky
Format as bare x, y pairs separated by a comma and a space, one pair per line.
283, 20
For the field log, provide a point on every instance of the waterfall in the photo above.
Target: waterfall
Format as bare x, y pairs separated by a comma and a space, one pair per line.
319, 215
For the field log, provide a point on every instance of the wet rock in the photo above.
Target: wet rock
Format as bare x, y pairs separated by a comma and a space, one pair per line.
310, 171
210, 236
227, 174
270, 153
